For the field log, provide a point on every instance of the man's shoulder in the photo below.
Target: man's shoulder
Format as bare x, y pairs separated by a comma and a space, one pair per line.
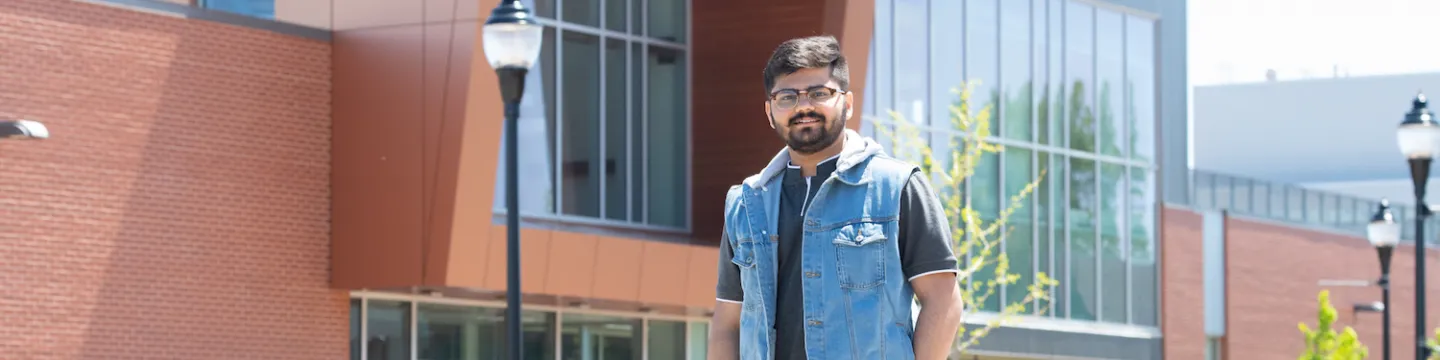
884, 164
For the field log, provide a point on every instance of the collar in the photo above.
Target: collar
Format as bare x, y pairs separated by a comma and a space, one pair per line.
856, 150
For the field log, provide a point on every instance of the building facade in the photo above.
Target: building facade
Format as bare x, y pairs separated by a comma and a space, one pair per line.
321, 179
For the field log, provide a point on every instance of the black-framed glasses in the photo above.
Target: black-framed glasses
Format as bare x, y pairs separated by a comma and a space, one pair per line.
788, 98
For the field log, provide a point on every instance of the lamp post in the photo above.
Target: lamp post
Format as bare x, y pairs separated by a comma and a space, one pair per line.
1419, 136
512, 41
1383, 232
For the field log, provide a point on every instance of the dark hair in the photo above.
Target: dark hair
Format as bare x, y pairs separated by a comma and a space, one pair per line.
808, 53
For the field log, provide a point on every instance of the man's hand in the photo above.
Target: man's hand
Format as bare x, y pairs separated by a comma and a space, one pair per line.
724, 332
940, 310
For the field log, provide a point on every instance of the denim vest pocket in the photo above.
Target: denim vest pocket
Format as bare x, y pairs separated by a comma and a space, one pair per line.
743, 254
860, 255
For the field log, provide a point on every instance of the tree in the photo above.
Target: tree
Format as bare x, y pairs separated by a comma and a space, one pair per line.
1434, 345
985, 268
1324, 343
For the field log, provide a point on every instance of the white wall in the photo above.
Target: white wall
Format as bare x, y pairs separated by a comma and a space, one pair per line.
1306, 131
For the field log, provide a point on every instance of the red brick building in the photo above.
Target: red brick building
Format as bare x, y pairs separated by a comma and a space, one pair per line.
317, 179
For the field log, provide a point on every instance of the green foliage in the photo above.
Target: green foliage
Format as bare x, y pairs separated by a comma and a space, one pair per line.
1324, 343
1434, 345
985, 267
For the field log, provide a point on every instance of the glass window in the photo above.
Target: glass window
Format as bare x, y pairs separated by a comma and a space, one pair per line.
580, 119
1082, 281
583, 12
884, 66
668, 138
1110, 75
982, 53
584, 337
264, 9
1020, 238
1144, 282
616, 162
638, 89
667, 339
536, 121
1039, 65
699, 340
1055, 61
611, 148
666, 19
388, 325
543, 8
1140, 66
985, 199
474, 333
1112, 247
615, 11
356, 308
1079, 73
1015, 69
1050, 198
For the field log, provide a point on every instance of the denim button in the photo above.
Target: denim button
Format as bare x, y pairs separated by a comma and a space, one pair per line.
815, 323
812, 274
774, 238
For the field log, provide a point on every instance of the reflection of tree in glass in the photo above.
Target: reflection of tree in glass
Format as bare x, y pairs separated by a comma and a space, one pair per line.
987, 268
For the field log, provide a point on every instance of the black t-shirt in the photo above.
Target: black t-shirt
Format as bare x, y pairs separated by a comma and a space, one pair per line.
924, 248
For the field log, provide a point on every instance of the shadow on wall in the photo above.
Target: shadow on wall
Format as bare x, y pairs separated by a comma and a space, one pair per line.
181, 206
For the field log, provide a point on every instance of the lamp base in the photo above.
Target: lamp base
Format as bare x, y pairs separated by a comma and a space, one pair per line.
512, 83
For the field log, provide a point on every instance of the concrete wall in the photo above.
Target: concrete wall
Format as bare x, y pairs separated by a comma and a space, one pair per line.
181, 207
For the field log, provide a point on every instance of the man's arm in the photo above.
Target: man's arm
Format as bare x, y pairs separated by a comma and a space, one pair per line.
940, 309
929, 263
724, 332
725, 324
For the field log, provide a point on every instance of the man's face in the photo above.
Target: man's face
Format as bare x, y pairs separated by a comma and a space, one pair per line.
807, 110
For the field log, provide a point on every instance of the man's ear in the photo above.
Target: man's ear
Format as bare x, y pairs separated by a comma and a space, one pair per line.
849, 104
769, 115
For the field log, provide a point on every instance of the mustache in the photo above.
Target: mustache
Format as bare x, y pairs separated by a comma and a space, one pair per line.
810, 114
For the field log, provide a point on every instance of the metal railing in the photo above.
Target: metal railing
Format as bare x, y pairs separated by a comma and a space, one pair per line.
1293, 204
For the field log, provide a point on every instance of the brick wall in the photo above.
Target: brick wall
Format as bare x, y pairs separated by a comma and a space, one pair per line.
181, 208
1182, 288
1273, 274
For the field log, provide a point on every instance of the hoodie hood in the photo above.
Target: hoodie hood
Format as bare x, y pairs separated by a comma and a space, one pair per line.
857, 150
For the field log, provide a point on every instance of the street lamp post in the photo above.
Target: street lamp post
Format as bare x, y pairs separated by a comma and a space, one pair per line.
1383, 232
23, 129
1419, 136
512, 39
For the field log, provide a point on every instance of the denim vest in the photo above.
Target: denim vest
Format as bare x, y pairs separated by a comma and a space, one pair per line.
858, 304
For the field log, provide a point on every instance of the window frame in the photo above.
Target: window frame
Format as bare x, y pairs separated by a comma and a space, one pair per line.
640, 225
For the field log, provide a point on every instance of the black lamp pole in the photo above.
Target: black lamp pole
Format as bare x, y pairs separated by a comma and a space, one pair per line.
1384, 233
1419, 136
512, 42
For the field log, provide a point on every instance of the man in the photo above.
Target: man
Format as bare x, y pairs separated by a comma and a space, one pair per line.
824, 248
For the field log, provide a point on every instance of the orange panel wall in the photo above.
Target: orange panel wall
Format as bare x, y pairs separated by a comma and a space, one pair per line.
180, 208
1182, 285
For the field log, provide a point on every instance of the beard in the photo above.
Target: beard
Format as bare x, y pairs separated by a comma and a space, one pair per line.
811, 139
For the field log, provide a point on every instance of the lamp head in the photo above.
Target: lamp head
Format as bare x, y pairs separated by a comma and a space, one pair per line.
511, 36
1383, 230
1419, 134
23, 129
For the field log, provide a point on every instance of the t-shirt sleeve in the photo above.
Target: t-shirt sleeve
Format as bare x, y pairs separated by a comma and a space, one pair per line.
727, 287
925, 245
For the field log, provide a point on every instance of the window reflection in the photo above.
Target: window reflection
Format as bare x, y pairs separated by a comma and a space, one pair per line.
667, 340
388, 326
452, 332
587, 337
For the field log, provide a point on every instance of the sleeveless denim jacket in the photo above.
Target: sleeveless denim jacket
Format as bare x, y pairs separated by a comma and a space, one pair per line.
857, 302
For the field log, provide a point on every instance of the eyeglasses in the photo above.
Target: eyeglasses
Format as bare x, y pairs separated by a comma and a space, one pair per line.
788, 98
